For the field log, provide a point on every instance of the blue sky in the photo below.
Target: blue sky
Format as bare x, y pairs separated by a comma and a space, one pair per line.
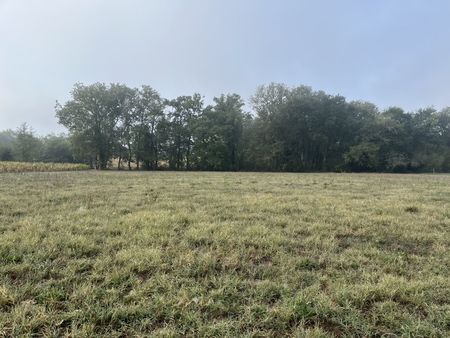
388, 52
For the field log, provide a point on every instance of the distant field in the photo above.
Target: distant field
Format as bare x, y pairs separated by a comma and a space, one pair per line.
123, 254
16, 167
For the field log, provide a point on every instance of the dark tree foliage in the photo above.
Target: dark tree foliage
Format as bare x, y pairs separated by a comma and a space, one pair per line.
7, 138
24, 146
289, 129
92, 117
56, 148
181, 119
218, 135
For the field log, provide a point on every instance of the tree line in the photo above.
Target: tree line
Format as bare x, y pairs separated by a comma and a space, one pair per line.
24, 145
288, 129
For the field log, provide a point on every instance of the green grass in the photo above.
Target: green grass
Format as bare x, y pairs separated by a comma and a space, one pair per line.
18, 167
123, 254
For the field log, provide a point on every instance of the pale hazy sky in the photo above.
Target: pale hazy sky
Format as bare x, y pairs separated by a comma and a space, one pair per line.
390, 52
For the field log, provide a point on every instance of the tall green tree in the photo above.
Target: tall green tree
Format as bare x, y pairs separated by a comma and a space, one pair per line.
264, 147
182, 114
147, 140
218, 134
124, 146
92, 117
26, 146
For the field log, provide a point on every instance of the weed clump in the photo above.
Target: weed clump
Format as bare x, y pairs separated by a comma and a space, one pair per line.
412, 209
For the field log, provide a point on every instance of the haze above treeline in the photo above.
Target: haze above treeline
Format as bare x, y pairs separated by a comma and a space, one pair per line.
392, 53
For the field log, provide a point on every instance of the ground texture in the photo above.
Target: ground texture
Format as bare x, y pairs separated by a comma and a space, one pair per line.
124, 254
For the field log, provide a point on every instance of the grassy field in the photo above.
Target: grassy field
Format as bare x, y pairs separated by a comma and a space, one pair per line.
19, 167
124, 254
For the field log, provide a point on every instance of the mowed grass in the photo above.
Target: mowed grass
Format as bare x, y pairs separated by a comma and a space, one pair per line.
133, 254
19, 167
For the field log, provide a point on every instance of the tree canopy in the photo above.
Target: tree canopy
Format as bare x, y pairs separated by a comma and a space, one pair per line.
285, 129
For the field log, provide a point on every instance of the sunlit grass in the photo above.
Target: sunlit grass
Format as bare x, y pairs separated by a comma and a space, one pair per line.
114, 254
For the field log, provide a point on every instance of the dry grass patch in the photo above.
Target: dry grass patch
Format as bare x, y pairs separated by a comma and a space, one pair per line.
19, 167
